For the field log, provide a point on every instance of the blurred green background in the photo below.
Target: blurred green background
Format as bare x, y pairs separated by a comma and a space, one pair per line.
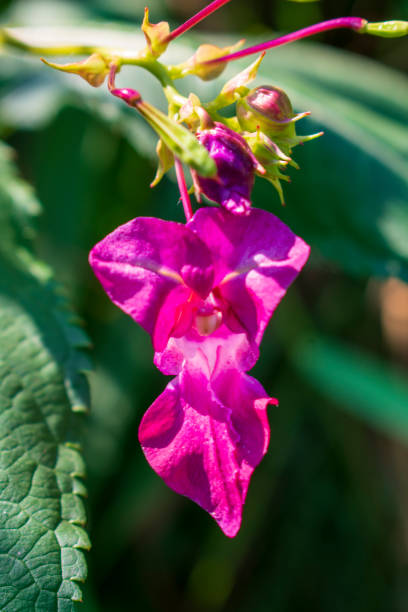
325, 525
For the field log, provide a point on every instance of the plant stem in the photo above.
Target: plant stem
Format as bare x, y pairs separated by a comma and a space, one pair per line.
185, 198
205, 12
153, 66
352, 23
121, 58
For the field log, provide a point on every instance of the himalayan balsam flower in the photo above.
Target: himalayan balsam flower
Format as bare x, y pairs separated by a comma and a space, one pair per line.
205, 292
236, 167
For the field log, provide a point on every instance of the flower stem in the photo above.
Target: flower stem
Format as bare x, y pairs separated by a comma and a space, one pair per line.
352, 23
185, 198
205, 12
130, 96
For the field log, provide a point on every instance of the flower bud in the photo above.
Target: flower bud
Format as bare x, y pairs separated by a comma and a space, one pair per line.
197, 64
386, 29
94, 69
156, 35
236, 166
266, 108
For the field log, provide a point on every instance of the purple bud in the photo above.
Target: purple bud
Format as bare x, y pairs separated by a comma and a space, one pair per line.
271, 102
130, 96
236, 166
265, 107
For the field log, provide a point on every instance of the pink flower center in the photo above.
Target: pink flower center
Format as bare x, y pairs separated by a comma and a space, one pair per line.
204, 316
207, 319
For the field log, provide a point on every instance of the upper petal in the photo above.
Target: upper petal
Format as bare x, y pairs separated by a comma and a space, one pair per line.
148, 267
205, 439
257, 257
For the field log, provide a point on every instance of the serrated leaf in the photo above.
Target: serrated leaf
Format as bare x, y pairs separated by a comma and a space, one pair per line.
42, 382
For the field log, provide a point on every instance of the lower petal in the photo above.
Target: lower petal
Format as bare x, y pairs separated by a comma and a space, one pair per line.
205, 441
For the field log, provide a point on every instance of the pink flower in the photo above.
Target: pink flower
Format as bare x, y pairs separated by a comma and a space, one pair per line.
205, 292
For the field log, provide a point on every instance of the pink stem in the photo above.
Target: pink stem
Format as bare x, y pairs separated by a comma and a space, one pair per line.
185, 198
130, 96
213, 6
112, 76
353, 23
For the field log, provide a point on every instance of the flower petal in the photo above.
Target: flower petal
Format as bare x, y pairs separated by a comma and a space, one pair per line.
236, 166
205, 439
233, 342
148, 267
257, 257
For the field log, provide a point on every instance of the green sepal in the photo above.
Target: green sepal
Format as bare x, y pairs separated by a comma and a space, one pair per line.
236, 87
265, 150
179, 140
188, 112
166, 161
271, 157
287, 143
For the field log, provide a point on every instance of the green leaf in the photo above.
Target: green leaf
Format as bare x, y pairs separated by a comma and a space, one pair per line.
42, 389
364, 385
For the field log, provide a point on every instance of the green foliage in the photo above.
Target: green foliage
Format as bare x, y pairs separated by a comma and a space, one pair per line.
363, 385
42, 384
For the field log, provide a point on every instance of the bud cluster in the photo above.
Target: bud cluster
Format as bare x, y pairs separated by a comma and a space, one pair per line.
258, 140
223, 154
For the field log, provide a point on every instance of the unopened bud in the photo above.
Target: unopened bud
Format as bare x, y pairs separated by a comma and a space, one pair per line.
386, 29
156, 35
94, 69
197, 64
130, 96
266, 108
236, 166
